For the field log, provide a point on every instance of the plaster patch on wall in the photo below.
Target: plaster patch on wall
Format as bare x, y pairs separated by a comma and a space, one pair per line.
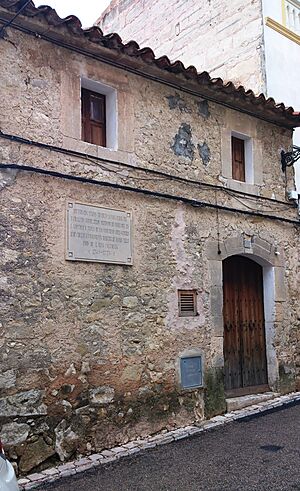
204, 152
176, 102
177, 244
203, 109
183, 145
184, 279
7, 177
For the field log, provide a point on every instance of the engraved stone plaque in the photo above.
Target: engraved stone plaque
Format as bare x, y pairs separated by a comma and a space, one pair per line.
191, 372
98, 234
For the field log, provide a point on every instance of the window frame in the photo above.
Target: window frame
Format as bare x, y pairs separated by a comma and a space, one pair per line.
248, 157
111, 110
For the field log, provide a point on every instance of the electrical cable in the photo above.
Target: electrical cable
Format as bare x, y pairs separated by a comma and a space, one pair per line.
9, 23
147, 192
218, 225
161, 174
250, 207
157, 79
138, 72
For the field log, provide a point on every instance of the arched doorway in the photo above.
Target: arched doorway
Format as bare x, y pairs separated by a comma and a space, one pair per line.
245, 362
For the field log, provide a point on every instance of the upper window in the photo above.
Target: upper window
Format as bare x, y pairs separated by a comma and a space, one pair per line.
99, 112
93, 117
241, 158
238, 159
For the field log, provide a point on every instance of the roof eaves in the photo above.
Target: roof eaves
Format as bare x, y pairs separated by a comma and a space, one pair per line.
213, 88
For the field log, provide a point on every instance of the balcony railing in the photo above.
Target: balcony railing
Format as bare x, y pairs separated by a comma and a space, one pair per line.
292, 15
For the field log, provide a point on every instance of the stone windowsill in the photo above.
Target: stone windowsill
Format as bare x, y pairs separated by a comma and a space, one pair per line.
97, 151
241, 186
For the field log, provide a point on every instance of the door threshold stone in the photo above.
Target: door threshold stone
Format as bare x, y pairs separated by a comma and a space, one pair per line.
235, 403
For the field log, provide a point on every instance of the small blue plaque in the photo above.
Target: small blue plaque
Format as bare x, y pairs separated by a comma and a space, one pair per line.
191, 372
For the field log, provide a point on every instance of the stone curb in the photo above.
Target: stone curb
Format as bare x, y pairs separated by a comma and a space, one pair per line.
106, 456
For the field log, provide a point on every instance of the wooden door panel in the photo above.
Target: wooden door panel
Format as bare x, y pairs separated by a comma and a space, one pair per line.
244, 332
231, 330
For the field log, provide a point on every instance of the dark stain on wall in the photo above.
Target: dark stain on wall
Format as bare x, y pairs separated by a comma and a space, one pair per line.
183, 145
287, 381
176, 102
204, 152
203, 109
214, 398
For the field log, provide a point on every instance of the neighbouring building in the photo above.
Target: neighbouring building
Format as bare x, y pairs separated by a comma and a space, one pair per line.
254, 43
149, 253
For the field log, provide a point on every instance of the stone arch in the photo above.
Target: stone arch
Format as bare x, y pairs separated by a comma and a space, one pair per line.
270, 257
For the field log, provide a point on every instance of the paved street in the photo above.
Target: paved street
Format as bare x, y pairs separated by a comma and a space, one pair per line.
262, 453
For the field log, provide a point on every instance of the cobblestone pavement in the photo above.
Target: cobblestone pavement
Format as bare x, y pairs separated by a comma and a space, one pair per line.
257, 448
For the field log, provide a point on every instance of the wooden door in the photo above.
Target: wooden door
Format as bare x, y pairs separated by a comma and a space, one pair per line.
244, 329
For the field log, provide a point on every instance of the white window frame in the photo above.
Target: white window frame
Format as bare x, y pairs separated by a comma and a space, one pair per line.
111, 109
245, 128
248, 147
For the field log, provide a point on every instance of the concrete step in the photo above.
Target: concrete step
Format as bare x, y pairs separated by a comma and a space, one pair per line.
235, 403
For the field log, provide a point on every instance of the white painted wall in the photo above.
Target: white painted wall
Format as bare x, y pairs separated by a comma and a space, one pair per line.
282, 57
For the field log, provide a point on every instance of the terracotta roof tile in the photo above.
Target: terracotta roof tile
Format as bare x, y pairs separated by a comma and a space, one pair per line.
211, 88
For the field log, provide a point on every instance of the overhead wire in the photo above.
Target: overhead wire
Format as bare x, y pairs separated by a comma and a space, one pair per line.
162, 175
147, 192
119, 173
251, 208
10, 22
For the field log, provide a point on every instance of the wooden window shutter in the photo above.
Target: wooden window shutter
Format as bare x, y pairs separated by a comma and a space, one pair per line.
187, 303
238, 159
93, 117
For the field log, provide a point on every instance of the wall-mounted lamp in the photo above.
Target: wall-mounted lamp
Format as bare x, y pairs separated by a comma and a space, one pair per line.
289, 158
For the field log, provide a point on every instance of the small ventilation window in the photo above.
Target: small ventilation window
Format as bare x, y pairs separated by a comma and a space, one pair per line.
187, 303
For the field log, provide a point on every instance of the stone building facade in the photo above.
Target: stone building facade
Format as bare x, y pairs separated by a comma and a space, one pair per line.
92, 352
237, 40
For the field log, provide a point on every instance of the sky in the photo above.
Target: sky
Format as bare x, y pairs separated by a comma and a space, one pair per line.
87, 10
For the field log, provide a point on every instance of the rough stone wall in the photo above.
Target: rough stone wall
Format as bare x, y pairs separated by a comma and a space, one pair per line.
223, 38
89, 352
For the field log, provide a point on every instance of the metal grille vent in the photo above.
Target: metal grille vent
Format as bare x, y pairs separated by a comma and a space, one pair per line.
187, 303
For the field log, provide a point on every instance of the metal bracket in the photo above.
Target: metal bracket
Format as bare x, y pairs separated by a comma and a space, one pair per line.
289, 158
